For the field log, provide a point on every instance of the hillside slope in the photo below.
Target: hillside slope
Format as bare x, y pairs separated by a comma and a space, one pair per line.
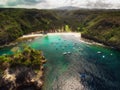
103, 28
99, 25
16, 22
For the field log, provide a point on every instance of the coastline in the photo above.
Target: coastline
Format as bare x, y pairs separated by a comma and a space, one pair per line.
25, 73
65, 35
79, 37
27, 37
30, 37
100, 43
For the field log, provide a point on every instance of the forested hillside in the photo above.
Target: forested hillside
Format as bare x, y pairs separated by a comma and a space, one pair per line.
16, 22
100, 25
103, 28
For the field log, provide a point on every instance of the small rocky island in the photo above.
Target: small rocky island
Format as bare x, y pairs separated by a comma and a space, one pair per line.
22, 70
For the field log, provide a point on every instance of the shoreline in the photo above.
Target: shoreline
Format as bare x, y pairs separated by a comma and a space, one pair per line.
79, 37
30, 37
24, 73
24, 37
94, 42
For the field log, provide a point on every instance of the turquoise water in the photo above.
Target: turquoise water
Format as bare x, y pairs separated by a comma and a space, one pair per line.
86, 67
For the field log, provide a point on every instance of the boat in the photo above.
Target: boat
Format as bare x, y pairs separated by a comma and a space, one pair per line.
99, 52
69, 52
65, 53
103, 56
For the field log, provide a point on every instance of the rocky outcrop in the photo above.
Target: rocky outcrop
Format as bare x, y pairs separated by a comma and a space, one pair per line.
21, 77
22, 71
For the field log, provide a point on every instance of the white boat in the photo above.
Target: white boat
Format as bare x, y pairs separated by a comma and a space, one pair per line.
103, 56
99, 52
65, 53
69, 52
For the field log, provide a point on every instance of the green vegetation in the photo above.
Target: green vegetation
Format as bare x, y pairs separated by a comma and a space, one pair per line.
67, 29
29, 57
80, 28
104, 28
16, 22
100, 25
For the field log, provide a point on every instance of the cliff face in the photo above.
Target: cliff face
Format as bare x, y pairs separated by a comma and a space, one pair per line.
22, 71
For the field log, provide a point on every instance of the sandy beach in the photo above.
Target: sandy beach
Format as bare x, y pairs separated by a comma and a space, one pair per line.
31, 35
39, 35
65, 35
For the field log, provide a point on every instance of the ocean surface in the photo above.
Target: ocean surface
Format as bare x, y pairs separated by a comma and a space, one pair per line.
75, 65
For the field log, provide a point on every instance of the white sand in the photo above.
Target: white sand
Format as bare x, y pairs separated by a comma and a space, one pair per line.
67, 33
38, 35
31, 35
74, 34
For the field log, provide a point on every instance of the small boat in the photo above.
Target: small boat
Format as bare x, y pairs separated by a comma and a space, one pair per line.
69, 52
111, 54
99, 52
65, 53
103, 56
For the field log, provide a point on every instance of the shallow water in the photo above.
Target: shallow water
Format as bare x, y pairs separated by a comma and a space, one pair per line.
84, 67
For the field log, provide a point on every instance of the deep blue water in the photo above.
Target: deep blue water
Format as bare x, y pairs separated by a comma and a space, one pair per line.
86, 67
